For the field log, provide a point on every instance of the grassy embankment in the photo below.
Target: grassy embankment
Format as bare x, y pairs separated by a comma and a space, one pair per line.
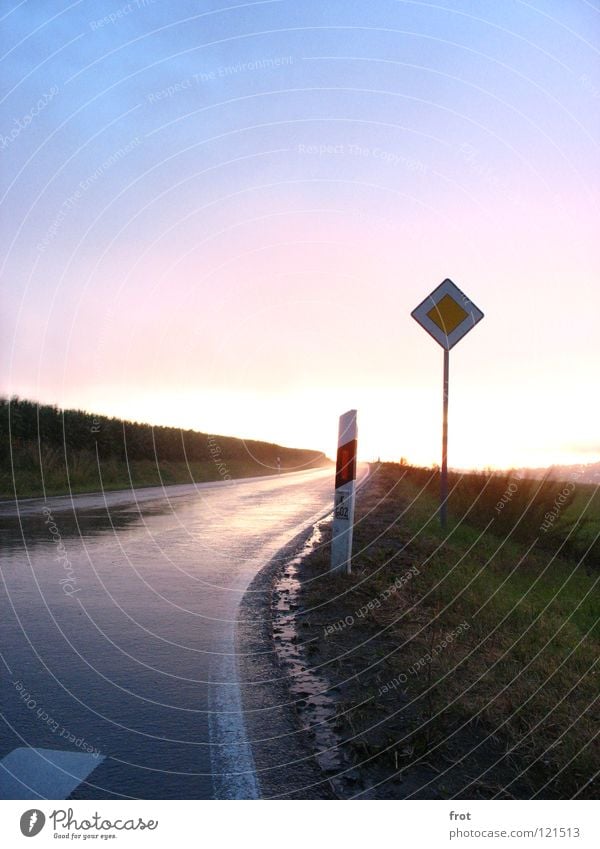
48, 451
488, 647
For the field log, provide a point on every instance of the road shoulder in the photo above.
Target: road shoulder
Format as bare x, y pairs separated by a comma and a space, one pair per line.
282, 748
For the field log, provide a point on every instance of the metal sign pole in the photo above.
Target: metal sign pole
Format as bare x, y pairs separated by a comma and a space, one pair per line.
447, 315
444, 475
345, 483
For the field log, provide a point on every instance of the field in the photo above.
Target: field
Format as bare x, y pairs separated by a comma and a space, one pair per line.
83, 474
464, 663
47, 451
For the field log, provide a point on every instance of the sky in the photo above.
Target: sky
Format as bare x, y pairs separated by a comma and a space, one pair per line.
220, 216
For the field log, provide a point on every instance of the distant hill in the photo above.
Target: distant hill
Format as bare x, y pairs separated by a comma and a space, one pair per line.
45, 449
580, 472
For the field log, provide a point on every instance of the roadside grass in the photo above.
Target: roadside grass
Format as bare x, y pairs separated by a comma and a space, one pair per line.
47, 450
557, 513
497, 627
83, 474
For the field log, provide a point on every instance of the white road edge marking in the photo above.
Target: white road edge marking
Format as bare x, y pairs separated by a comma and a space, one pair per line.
232, 762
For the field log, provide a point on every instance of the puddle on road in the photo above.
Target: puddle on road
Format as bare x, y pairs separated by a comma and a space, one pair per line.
309, 689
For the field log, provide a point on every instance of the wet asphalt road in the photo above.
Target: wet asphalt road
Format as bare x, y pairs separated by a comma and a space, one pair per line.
117, 618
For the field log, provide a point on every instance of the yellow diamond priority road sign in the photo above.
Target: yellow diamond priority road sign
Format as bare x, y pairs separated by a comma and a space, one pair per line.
447, 314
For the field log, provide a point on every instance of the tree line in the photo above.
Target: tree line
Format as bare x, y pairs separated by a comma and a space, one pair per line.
27, 425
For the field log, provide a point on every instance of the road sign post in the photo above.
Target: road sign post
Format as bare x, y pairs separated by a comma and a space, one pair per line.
444, 471
447, 315
343, 505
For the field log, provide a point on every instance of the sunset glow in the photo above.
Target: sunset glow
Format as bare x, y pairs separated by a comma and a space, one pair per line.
223, 221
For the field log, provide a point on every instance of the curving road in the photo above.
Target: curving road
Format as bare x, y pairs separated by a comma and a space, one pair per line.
117, 620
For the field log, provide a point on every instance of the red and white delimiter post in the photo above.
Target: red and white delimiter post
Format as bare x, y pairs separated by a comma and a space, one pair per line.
345, 484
